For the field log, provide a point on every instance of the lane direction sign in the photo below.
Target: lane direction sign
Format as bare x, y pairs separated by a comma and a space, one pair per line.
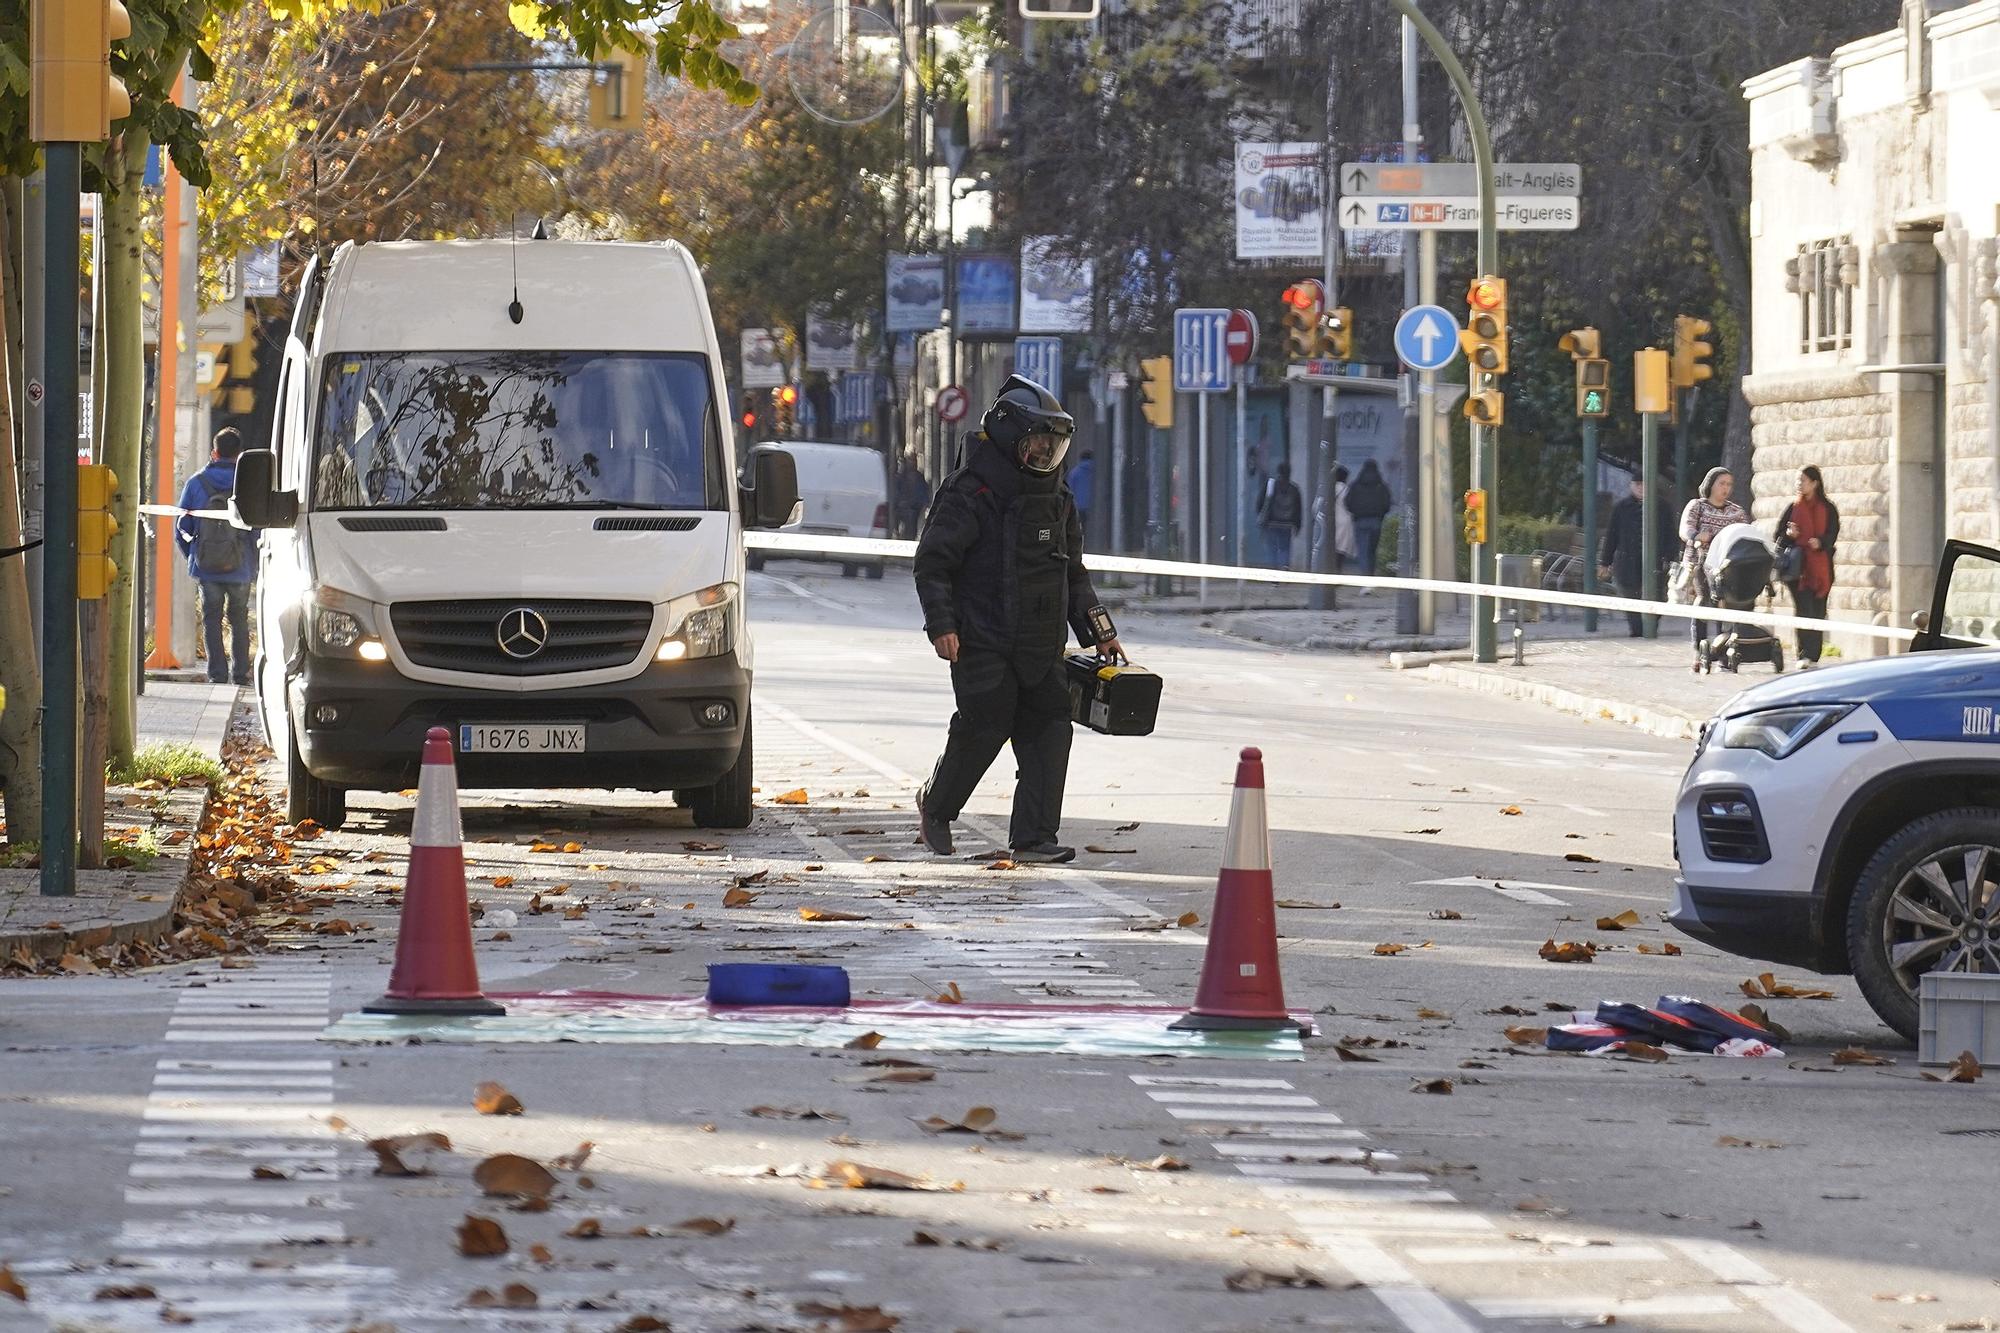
1460, 178
1426, 337
1040, 359
1448, 213
1201, 357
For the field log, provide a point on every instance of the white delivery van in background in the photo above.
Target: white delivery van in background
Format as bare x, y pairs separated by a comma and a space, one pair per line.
843, 492
501, 498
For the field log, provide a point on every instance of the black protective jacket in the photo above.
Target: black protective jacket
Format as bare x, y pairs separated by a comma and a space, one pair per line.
1000, 561
1623, 547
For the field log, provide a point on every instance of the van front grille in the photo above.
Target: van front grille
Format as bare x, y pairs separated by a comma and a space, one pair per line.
522, 638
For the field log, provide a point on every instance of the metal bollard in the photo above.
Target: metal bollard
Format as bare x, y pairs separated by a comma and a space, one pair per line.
1520, 639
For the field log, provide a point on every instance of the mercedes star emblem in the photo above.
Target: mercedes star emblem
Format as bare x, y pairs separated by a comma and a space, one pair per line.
522, 632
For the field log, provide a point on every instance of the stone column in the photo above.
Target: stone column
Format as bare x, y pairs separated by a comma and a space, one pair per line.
1909, 269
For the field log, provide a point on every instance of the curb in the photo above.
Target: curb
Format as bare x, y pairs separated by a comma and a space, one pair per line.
166, 883
1654, 721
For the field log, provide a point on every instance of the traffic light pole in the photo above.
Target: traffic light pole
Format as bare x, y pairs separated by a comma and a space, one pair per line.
1590, 521
1325, 558
1649, 543
1684, 410
1485, 439
63, 164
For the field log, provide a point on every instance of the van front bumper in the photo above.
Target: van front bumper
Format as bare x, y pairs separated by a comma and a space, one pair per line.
362, 724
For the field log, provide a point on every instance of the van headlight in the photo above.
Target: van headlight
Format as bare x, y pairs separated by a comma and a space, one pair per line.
704, 624
1780, 731
343, 625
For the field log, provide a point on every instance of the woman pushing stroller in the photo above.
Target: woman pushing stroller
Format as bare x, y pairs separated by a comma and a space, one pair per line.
1706, 515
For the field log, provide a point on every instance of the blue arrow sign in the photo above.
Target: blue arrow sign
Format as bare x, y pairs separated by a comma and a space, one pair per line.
1201, 351
1427, 337
1040, 359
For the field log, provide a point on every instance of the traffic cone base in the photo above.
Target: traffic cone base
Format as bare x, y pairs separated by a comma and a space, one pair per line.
1241, 990
435, 971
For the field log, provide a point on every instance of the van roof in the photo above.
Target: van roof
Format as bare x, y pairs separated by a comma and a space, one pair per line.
453, 295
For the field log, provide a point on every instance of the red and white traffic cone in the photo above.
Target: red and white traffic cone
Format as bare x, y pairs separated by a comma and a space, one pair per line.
435, 971
1240, 987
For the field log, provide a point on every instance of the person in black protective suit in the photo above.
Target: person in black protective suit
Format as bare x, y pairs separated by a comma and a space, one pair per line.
1000, 574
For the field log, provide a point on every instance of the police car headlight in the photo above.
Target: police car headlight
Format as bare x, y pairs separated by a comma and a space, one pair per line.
1781, 731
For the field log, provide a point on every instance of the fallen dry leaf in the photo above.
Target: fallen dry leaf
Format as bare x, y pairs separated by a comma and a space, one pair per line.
1510, 809
1261, 1279
933, 1239
706, 1226
1347, 1052
1438, 1085
792, 1113
1731, 1141
643, 1323
817, 914
11, 1285
1302, 905
514, 1296
867, 1041
1765, 986
1002, 864
137, 1291
1446, 914
1390, 950
796, 796
978, 1120
1669, 949
951, 994
1432, 1013
588, 1228
1568, 952
269, 1173
856, 1176
738, 897
1625, 920
1111, 851
389, 1152
1186, 919
480, 1237
574, 1159
919, 1075
1582, 858
1855, 1055
491, 1098
510, 1174
853, 1318
541, 1253
1640, 1050
693, 846
1965, 1069
79, 965
1164, 1162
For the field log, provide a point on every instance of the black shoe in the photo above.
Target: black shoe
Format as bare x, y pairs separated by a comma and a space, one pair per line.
935, 832
1044, 853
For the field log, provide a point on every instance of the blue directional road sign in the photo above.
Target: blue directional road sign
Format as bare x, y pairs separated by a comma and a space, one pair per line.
1427, 337
1201, 350
1040, 359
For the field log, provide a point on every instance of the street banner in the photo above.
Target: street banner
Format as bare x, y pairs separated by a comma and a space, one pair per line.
763, 362
831, 344
857, 397
985, 293
916, 293
1279, 200
1055, 292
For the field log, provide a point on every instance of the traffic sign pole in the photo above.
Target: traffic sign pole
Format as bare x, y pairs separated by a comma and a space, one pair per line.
1590, 520
1201, 482
63, 163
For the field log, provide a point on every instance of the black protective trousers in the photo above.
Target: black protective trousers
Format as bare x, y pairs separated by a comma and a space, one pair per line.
997, 703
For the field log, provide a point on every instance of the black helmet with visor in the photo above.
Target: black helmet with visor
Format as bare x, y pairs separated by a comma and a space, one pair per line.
1029, 425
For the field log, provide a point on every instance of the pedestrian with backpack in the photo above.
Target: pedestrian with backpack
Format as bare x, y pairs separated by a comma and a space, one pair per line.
222, 558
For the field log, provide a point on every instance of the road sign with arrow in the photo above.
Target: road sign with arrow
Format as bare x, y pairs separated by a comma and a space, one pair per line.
1426, 337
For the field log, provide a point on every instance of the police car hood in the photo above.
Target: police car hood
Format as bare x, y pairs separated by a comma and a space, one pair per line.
1950, 671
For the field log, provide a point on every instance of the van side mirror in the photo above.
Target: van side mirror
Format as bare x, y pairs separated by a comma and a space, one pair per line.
772, 498
257, 502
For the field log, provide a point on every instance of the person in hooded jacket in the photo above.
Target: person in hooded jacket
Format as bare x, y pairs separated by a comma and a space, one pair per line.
222, 559
1369, 501
999, 572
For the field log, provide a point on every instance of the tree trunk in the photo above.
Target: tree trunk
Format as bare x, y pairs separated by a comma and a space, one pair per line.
20, 674
1729, 235
93, 623
123, 411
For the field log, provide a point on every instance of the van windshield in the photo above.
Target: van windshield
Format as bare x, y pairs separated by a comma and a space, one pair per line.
517, 430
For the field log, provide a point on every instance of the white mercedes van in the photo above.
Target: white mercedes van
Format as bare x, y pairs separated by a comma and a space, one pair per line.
501, 498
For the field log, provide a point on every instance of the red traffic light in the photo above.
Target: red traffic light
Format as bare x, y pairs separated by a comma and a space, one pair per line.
1305, 294
749, 420
1486, 294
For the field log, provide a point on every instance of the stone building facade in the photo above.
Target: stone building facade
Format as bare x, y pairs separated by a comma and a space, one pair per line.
1875, 185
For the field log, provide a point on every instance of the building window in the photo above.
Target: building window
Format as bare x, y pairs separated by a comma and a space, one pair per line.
1822, 277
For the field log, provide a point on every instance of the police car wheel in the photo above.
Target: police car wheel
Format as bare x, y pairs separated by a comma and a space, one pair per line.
1928, 901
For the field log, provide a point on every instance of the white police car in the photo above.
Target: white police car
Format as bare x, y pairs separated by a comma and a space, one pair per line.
1848, 820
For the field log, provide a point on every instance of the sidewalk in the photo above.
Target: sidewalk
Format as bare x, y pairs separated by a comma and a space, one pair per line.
1640, 682
120, 906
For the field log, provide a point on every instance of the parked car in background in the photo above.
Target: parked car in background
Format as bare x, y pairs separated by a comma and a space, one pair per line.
1847, 820
845, 491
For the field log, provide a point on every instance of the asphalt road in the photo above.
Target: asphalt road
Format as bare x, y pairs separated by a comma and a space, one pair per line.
189, 1137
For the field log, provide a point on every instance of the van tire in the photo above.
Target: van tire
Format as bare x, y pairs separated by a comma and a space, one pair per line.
306, 797
873, 571
727, 803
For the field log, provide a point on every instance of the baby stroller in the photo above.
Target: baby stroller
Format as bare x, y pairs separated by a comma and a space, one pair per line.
1740, 563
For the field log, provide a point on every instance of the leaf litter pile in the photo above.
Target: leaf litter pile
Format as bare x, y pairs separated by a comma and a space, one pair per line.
242, 880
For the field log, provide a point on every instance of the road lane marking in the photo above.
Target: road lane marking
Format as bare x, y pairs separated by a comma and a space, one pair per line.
1308, 1171
1525, 1253
1211, 1116
1591, 1307
1233, 1098
1754, 1282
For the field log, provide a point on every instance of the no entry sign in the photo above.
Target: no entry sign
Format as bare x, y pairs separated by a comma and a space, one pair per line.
1239, 337
952, 402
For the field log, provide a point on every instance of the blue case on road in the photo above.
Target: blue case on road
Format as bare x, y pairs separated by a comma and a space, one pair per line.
776, 984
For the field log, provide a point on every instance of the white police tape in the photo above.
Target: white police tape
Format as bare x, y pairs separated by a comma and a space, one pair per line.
781, 543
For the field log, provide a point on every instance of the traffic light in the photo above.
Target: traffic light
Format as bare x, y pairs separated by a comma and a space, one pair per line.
74, 96
1475, 518
1691, 352
784, 409
1305, 307
1486, 407
618, 91
241, 399
96, 486
1650, 391
1485, 335
1337, 334
1593, 372
1157, 387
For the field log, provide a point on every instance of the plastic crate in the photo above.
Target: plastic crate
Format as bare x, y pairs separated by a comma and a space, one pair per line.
1958, 1012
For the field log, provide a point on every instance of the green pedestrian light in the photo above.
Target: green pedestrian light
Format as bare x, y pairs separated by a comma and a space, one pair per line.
1593, 403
